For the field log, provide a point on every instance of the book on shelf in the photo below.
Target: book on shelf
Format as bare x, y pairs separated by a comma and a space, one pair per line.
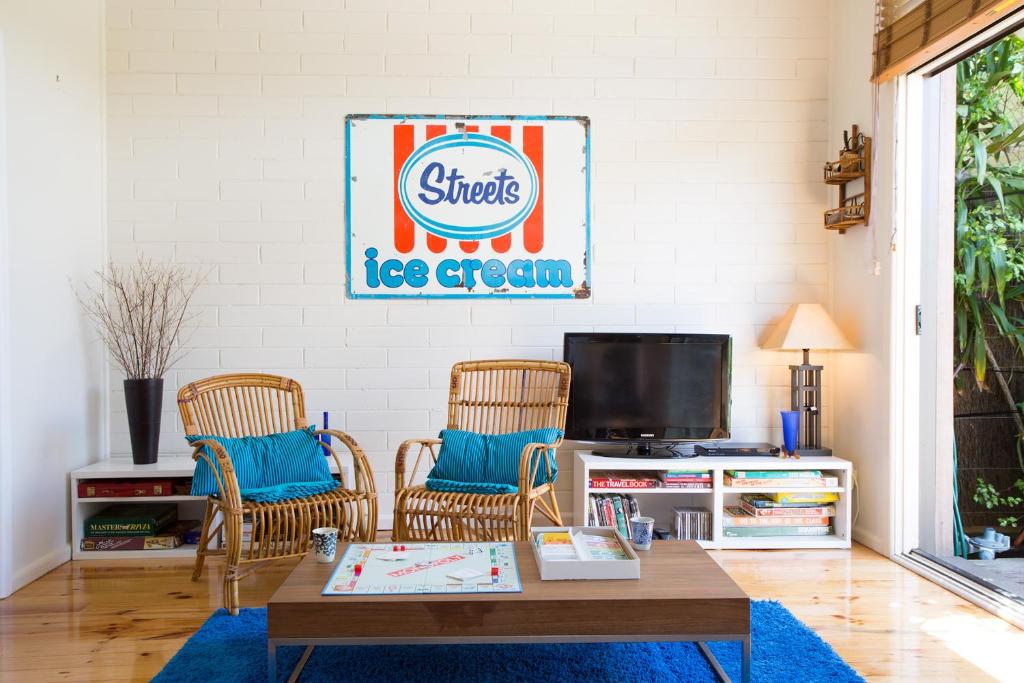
620, 516
684, 476
769, 531
696, 485
173, 537
634, 509
101, 488
622, 480
131, 519
791, 497
615, 510
792, 482
774, 474
735, 516
762, 506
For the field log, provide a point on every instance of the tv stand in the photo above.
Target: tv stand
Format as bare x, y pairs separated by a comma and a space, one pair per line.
658, 502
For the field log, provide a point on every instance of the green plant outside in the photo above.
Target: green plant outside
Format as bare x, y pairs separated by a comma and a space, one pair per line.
989, 267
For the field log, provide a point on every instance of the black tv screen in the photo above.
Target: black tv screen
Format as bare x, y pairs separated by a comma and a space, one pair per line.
658, 387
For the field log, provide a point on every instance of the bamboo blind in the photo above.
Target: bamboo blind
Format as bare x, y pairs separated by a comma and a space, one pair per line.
909, 33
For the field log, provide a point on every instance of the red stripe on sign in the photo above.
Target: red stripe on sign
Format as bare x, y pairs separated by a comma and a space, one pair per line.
533, 228
434, 243
471, 246
503, 243
405, 233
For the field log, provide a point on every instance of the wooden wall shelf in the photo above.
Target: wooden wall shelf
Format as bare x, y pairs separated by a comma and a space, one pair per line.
854, 164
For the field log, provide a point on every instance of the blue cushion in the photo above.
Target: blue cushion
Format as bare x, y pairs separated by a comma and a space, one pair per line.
489, 462
505, 450
264, 461
301, 489
462, 456
449, 486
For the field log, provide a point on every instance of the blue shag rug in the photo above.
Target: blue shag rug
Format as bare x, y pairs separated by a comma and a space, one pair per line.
234, 650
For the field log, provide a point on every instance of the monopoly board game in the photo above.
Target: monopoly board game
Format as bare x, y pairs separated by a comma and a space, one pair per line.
411, 568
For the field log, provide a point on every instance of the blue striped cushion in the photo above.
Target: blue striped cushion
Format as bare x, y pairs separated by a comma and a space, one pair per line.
481, 487
505, 450
264, 461
302, 489
461, 458
487, 460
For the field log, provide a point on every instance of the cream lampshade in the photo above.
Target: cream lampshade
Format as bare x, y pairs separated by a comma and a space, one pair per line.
805, 327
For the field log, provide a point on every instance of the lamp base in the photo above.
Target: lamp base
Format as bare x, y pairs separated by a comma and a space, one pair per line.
805, 396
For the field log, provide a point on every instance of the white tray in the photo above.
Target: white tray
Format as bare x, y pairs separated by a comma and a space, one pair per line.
586, 569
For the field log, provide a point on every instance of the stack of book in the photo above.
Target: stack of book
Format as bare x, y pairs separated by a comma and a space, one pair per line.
613, 509
131, 526
622, 480
685, 479
777, 478
781, 514
692, 523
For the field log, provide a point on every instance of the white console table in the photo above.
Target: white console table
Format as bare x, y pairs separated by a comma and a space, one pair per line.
658, 502
166, 467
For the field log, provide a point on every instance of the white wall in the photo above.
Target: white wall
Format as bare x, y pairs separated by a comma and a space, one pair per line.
861, 293
708, 126
54, 149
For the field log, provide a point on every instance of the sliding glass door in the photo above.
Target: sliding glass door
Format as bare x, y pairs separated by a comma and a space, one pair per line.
961, 139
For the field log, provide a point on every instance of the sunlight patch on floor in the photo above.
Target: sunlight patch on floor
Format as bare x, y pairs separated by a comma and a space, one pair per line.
985, 642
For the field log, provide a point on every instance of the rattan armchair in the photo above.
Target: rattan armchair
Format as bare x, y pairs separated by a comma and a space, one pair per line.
492, 397
255, 405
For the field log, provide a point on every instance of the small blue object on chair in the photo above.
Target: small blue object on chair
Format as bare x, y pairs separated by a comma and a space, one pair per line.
269, 468
487, 463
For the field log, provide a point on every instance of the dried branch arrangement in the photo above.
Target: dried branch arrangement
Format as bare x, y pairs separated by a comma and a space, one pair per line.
141, 312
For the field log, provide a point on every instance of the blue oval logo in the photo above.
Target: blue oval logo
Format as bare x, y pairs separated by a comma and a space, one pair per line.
468, 186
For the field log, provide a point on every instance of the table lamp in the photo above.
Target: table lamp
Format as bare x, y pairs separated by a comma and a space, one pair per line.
805, 327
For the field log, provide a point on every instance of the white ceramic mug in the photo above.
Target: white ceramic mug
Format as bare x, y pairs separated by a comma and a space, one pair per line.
325, 543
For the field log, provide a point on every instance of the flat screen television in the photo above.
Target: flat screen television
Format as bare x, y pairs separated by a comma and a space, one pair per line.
648, 388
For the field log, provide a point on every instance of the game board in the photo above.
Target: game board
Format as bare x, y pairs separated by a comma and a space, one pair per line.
414, 568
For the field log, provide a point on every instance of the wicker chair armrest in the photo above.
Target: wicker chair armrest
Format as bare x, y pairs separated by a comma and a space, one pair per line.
528, 466
403, 450
227, 481
364, 481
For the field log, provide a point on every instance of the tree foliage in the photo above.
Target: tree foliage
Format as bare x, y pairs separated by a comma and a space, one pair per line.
989, 269
989, 273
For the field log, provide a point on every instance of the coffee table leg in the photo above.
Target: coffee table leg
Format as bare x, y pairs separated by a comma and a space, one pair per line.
297, 671
713, 662
745, 675
271, 662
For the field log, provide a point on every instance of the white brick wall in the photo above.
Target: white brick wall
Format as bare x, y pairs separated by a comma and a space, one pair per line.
225, 123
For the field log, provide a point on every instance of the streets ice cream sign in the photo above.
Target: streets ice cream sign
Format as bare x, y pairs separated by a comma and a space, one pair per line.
468, 207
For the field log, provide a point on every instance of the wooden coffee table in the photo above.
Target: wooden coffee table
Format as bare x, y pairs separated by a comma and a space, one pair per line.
682, 595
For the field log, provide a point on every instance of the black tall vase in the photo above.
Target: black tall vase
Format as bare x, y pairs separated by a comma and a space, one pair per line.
143, 398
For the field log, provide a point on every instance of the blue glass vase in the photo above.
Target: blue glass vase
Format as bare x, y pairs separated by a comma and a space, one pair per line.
790, 429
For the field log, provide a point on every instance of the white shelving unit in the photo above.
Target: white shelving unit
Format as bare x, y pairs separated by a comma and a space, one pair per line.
658, 502
166, 467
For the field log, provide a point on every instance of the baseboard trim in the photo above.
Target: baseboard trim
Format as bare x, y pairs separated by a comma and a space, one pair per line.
45, 564
870, 540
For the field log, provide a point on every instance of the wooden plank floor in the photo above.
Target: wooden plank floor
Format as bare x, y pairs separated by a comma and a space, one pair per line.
121, 621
